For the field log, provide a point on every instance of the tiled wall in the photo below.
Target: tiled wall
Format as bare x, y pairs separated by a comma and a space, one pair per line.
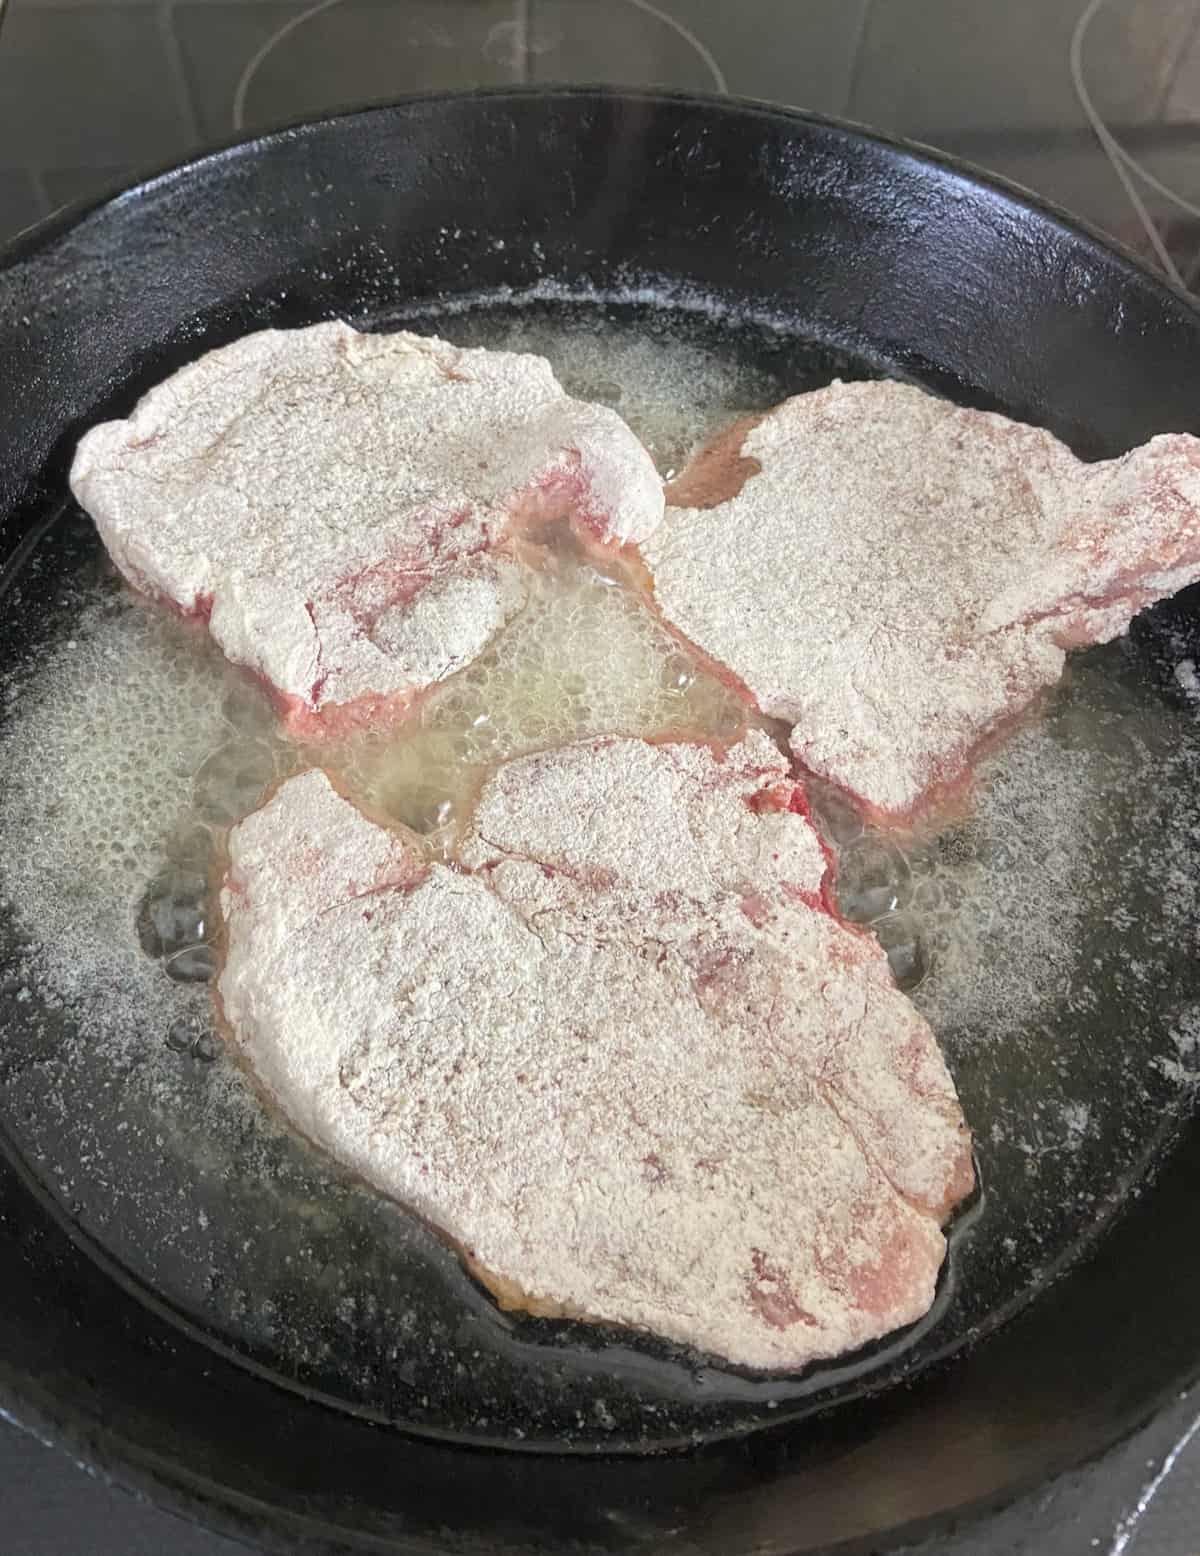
92, 91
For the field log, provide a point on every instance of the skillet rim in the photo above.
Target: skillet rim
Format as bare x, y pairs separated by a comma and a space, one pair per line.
41, 234
221, 1507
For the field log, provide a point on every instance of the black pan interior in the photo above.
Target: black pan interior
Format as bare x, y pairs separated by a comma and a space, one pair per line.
814, 251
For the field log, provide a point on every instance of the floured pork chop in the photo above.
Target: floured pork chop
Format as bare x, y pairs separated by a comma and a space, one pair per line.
619, 1051
337, 505
896, 577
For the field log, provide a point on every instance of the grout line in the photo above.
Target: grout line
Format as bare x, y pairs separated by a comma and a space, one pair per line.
251, 68
184, 100
865, 17
41, 193
1184, 47
701, 48
523, 17
121, 5
83, 5
37, 188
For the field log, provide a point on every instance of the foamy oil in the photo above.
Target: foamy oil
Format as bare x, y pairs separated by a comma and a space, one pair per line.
1047, 932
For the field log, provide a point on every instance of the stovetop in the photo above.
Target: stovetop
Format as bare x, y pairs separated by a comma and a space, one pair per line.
92, 92
1094, 104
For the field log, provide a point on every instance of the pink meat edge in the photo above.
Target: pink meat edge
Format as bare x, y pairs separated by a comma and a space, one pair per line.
714, 476
780, 794
718, 473
947, 797
547, 504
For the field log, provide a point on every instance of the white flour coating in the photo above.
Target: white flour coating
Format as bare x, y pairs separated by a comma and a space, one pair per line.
337, 504
896, 576
618, 1053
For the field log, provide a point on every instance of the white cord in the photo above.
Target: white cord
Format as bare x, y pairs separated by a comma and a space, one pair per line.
688, 36
242, 90
251, 67
1123, 164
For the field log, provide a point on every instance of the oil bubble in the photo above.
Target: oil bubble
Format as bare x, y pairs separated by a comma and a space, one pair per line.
174, 913
836, 816
191, 1036
195, 964
906, 953
873, 879
232, 781
247, 708
181, 1034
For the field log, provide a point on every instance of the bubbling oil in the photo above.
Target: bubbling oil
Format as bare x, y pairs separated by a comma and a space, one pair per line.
674, 393
585, 657
1044, 934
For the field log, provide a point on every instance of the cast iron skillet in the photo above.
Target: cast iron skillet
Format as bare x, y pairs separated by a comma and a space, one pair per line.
884, 251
